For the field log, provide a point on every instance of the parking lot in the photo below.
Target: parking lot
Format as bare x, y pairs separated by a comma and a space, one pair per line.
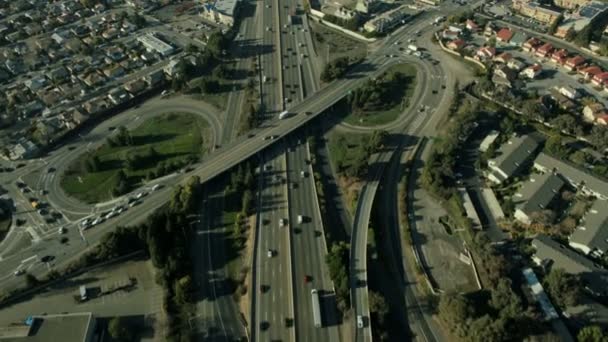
126, 289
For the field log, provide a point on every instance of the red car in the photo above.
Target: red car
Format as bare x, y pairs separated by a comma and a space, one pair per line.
307, 279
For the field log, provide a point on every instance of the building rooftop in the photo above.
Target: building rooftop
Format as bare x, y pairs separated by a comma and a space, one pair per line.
572, 173
593, 231
225, 6
538, 192
514, 153
560, 256
77, 327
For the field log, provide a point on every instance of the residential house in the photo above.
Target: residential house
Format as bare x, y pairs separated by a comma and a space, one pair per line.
544, 50
135, 87
504, 58
559, 56
512, 157
93, 79
516, 64
550, 254
536, 195
95, 105
471, 25
58, 74
585, 182
602, 119
456, 44
490, 29
589, 72
114, 71
154, 78
118, 95
591, 236
573, 63
504, 72
568, 92
448, 34
600, 80
36, 83
532, 71
518, 39
504, 35
486, 52
592, 111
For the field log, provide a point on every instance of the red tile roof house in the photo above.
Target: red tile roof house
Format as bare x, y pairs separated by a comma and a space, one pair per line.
600, 79
485, 52
504, 57
590, 71
544, 50
574, 62
471, 26
456, 44
559, 56
602, 119
531, 44
504, 35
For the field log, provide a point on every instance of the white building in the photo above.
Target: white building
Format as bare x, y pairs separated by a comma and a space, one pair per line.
221, 11
154, 44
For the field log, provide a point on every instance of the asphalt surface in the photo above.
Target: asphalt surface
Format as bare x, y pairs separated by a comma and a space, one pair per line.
309, 248
274, 311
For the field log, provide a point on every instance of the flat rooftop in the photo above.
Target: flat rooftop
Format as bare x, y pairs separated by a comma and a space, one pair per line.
65, 328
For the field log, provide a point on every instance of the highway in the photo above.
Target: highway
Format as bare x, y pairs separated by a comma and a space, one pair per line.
274, 309
231, 153
309, 248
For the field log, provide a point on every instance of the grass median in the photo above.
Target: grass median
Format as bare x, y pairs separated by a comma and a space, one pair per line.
159, 146
382, 100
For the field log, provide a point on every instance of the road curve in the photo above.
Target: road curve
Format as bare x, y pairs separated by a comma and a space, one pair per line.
63, 157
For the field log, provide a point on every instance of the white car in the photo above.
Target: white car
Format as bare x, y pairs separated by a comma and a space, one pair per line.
300, 219
282, 222
62, 230
303, 174
19, 272
360, 321
269, 253
141, 194
156, 187
97, 221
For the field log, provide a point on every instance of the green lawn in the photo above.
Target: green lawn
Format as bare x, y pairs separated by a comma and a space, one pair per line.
343, 148
401, 95
176, 137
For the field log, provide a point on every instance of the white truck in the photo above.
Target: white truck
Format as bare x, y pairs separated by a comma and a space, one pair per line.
264, 79
284, 115
412, 47
439, 19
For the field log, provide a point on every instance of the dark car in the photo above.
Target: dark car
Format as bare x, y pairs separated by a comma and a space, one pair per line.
51, 169
47, 258
264, 325
307, 279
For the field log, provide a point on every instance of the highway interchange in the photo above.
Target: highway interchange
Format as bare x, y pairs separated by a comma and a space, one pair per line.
281, 305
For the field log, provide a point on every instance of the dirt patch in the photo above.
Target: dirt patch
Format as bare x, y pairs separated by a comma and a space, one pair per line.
351, 187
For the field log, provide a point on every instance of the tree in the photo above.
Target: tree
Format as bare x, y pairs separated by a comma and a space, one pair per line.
455, 310
183, 290
598, 137
378, 306
563, 287
209, 86
555, 147
217, 43
570, 34
119, 329
247, 200
566, 123
592, 333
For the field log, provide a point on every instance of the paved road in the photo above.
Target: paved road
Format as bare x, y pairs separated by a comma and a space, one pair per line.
274, 311
309, 248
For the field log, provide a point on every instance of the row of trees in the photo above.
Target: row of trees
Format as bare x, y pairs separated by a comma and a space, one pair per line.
337, 260
335, 69
352, 24
378, 94
438, 173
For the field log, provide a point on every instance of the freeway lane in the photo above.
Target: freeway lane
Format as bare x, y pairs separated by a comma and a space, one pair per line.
309, 249
273, 285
